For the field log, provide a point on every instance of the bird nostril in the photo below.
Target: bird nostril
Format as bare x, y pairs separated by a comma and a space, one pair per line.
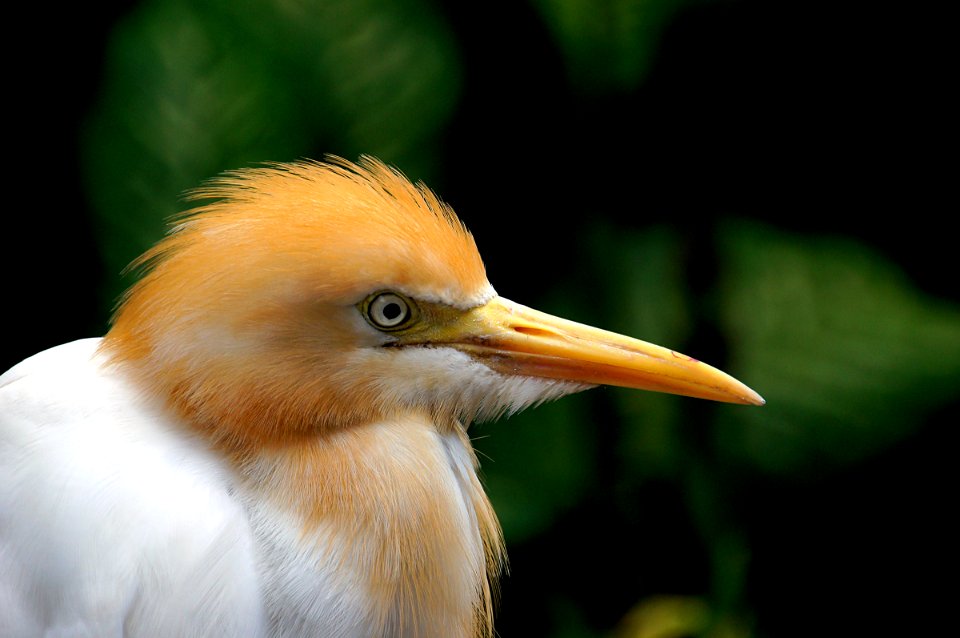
534, 331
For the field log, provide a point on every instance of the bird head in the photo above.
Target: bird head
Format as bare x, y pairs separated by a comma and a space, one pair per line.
310, 296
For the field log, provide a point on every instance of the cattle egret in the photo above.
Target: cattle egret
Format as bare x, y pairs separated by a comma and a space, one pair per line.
271, 439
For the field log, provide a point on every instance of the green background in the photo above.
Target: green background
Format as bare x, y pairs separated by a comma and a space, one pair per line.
756, 184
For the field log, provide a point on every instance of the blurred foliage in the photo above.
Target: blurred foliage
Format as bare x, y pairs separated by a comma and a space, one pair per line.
541, 460
529, 490
666, 617
635, 268
850, 356
677, 617
823, 327
607, 44
833, 331
192, 89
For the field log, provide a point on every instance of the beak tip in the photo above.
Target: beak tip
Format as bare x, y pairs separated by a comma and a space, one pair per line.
752, 398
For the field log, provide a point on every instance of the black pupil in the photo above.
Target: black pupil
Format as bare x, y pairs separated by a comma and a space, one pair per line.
392, 310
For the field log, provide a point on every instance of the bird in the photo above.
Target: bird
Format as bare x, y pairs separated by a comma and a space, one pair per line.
271, 439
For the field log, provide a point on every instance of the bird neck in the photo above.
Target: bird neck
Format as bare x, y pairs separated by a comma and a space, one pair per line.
397, 508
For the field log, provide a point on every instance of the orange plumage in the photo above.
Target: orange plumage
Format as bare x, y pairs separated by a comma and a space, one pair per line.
280, 416
276, 255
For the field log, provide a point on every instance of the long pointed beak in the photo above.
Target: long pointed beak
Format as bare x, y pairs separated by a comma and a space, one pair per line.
514, 339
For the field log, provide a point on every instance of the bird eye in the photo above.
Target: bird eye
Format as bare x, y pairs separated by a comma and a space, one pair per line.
388, 311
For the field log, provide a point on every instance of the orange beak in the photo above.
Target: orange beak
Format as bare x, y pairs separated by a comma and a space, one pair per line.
514, 339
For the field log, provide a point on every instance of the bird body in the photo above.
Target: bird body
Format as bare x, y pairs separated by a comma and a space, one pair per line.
113, 522
271, 439
147, 531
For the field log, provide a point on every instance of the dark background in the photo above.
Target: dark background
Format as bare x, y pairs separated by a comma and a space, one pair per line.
759, 148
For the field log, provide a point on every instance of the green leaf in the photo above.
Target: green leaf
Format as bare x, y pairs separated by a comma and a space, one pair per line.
643, 288
848, 355
608, 45
539, 463
195, 88
536, 464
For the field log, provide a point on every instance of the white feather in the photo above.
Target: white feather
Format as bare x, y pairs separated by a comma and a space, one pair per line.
115, 521
434, 376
